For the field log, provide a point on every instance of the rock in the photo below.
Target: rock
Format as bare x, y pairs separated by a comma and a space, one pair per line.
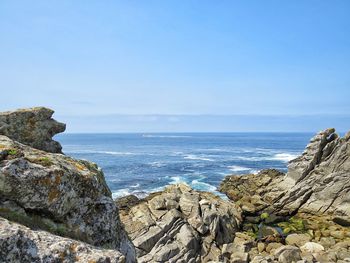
297, 239
61, 195
337, 234
287, 254
317, 182
33, 127
21, 244
261, 259
273, 246
261, 247
342, 220
180, 224
126, 202
238, 257
312, 247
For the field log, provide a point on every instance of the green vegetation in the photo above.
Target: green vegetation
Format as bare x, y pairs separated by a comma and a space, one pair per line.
44, 161
11, 151
264, 215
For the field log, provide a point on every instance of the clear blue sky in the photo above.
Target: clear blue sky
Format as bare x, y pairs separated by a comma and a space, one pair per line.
97, 58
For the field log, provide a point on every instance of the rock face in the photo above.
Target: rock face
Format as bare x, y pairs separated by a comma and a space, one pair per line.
33, 127
21, 244
58, 194
183, 225
317, 182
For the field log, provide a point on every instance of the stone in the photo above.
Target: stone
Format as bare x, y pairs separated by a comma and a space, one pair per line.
337, 234
317, 182
33, 127
272, 246
59, 194
201, 227
287, 254
22, 244
261, 247
312, 247
297, 239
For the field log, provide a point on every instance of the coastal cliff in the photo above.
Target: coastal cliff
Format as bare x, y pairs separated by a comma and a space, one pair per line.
42, 190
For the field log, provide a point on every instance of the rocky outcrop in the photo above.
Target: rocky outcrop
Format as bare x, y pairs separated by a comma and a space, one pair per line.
304, 214
22, 244
61, 195
317, 182
33, 127
183, 225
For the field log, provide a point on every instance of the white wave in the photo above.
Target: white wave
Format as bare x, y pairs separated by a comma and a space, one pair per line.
120, 193
284, 157
237, 168
165, 136
157, 164
195, 157
135, 185
203, 186
176, 180
101, 152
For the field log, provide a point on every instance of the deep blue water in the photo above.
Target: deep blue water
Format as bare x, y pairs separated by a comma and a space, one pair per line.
142, 163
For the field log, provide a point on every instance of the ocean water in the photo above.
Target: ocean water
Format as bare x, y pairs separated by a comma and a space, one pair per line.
143, 163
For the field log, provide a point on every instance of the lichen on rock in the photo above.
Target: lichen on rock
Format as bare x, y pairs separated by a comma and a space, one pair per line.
33, 127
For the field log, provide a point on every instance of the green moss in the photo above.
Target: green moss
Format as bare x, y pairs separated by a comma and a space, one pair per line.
293, 225
12, 151
44, 161
264, 215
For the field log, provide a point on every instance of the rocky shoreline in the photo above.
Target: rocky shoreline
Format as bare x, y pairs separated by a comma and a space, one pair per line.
54, 208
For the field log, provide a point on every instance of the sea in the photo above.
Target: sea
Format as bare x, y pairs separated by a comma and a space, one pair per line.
141, 163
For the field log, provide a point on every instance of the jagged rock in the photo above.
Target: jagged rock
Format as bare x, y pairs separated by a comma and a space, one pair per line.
33, 127
287, 254
317, 182
21, 244
183, 225
59, 194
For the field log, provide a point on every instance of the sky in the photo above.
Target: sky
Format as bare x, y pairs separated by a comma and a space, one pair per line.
179, 65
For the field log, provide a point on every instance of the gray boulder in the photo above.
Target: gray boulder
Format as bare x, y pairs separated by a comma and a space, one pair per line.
33, 127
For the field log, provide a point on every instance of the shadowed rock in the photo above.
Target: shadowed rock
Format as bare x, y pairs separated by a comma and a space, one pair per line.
33, 127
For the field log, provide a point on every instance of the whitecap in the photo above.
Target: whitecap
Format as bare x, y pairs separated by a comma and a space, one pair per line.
284, 157
99, 152
157, 164
237, 168
120, 193
195, 157
135, 185
165, 136
203, 186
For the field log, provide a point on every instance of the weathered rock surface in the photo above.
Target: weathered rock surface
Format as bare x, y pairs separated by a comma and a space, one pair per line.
33, 127
183, 225
56, 193
317, 182
21, 244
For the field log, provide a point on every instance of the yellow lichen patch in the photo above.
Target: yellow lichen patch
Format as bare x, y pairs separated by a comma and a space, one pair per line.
53, 194
2, 146
73, 247
79, 166
92, 261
